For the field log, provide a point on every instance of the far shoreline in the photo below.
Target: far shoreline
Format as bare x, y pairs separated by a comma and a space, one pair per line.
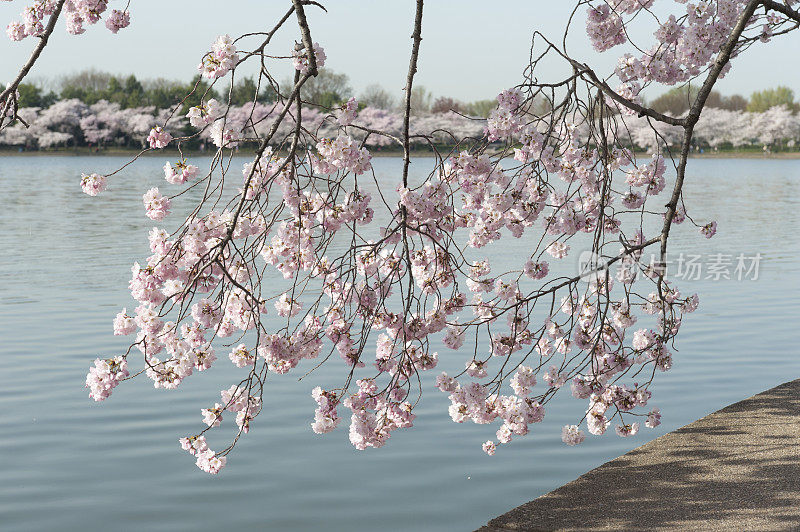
171, 153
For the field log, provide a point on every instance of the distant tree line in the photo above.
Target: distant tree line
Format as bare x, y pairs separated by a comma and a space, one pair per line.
677, 100
93, 108
92, 86
329, 90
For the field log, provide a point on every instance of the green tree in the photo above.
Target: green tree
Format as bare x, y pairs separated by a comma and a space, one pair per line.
760, 101
87, 85
677, 100
245, 91
134, 95
69, 92
328, 89
163, 93
200, 91
114, 92
29, 95
32, 95
480, 108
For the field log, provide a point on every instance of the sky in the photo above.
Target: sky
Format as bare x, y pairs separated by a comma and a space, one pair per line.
471, 49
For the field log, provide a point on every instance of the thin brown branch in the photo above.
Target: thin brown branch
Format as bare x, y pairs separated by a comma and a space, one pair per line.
26, 68
723, 57
305, 32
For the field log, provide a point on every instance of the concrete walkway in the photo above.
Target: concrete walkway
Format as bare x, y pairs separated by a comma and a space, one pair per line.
735, 469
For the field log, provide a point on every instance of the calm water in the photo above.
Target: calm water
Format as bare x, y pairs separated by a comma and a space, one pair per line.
71, 464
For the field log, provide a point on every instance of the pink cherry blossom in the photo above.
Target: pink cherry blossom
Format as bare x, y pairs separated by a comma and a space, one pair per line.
221, 59
489, 448
156, 205
105, 376
159, 138
653, 418
369, 273
124, 324
348, 112
627, 430
572, 435
93, 184
180, 173
118, 20
709, 230
301, 61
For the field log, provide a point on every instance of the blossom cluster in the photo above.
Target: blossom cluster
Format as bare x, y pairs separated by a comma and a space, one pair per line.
105, 376
349, 112
221, 59
76, 12
159, 138
301, 60
207, 460
93, 184
342, 153
472, 193
503, 121
685, 42
297, 236
180, 173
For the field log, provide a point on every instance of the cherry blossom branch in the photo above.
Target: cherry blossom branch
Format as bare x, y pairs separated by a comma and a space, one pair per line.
639, 109
416, 36
308, 43
723, 57
583, 70
781, 8
7, 95
302, 208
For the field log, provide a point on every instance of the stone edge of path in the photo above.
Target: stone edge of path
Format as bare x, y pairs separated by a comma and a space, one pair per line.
737, 467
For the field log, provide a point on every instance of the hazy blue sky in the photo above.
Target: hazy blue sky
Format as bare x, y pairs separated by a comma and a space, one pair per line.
471, 49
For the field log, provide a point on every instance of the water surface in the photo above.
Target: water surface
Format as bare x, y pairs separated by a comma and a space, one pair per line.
71, 464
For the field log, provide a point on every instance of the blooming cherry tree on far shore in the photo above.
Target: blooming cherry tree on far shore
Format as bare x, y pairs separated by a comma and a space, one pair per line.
294, 232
